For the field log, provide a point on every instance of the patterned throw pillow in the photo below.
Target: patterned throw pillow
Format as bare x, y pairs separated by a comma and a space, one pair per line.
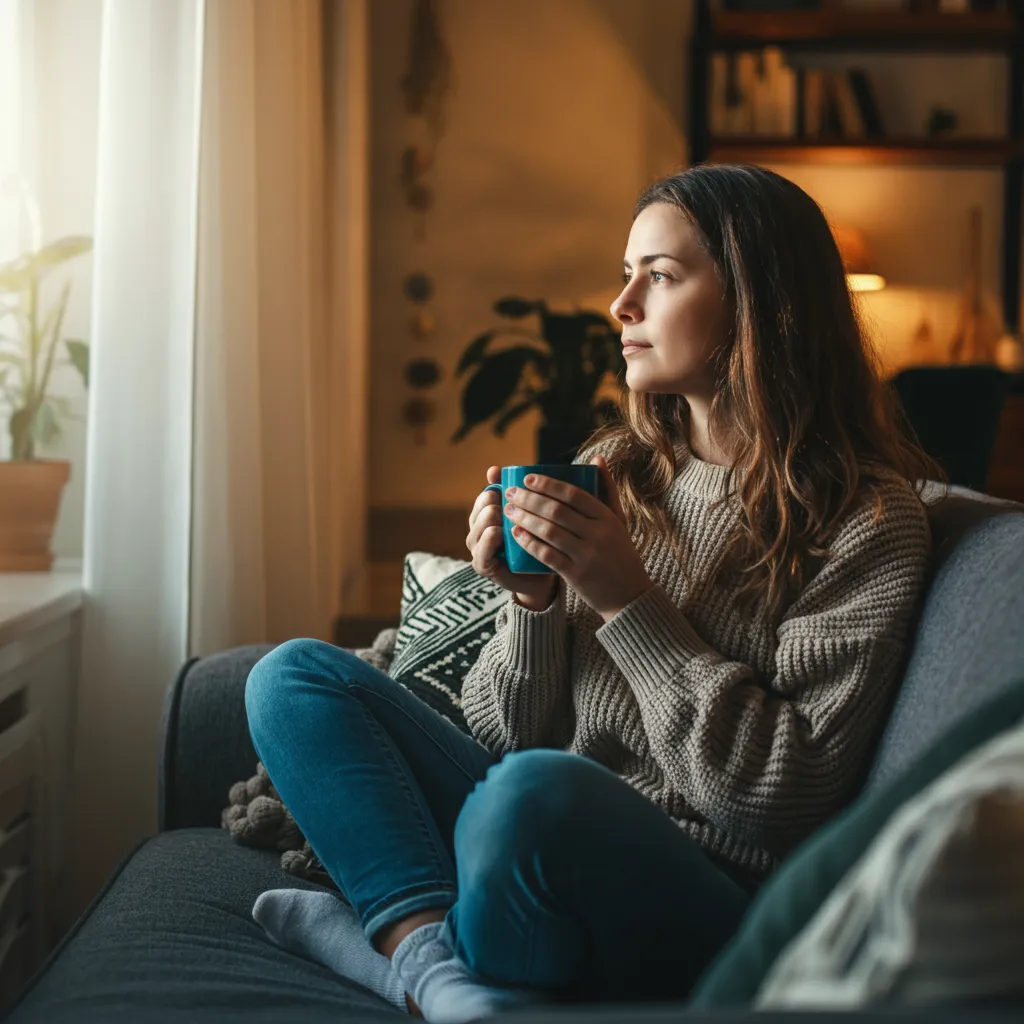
447, 617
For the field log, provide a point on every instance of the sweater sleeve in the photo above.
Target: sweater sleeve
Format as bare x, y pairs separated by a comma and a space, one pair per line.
517, 694
768, 760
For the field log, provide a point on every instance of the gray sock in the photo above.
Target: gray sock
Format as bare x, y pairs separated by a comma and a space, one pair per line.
319, 927
440, 983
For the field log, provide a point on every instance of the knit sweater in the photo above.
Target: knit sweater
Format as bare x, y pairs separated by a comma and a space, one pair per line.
748, 736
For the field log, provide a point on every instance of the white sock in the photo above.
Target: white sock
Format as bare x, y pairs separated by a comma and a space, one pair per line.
319, 927
440, 983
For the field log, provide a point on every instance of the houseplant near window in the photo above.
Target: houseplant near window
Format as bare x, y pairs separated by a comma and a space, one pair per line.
559, 371
32, 349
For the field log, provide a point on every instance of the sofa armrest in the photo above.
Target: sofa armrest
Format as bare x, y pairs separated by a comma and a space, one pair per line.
205, 744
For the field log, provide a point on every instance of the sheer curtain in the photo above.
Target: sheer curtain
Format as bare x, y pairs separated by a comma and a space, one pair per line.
225, 500
279, 446
12, 51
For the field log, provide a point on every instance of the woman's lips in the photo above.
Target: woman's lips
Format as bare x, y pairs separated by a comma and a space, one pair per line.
632, 347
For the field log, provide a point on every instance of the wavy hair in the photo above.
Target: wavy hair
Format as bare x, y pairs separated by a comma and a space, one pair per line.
799, 398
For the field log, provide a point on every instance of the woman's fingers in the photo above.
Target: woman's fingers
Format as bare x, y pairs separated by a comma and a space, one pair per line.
483, 499
551, 533
489, 515
486, 550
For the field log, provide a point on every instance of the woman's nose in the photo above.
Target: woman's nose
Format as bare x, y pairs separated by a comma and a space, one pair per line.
624, 309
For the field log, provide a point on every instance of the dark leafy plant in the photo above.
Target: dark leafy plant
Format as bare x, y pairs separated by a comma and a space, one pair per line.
558, 370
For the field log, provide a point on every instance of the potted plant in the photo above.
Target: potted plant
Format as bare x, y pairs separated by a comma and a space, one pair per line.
32, 349
559, 371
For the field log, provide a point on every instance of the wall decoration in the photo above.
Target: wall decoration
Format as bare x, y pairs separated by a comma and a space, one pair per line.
422, 325
429, 76
418, 412
425, 84
418, 288
422, 373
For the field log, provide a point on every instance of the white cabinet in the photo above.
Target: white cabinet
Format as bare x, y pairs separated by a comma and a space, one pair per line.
39, 649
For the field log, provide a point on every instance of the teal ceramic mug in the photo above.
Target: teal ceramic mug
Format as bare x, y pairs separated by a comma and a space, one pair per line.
586, 478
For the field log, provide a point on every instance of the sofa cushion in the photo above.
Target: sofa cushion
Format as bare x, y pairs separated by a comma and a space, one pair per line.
934, 911
791, 897
967, 644
172, 939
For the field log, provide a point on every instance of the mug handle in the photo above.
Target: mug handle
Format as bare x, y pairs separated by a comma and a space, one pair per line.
497, 487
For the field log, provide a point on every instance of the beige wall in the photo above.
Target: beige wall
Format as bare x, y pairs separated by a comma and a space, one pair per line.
562, 111
560, 114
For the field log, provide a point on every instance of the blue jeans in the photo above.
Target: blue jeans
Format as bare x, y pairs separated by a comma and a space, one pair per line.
555, 874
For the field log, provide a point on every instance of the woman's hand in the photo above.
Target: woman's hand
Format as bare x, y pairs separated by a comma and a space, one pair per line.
585, 541
485, 541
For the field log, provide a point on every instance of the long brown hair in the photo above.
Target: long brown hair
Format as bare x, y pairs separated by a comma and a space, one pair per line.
798, 395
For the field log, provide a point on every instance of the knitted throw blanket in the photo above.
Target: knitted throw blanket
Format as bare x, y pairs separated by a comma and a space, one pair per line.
256, 816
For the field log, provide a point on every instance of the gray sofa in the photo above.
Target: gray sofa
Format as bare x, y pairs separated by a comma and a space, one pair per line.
171, 938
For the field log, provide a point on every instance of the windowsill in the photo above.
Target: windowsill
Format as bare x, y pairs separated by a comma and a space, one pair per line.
29, 600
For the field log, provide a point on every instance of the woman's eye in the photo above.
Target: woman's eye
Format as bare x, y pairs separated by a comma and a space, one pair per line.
657, 275
626, 278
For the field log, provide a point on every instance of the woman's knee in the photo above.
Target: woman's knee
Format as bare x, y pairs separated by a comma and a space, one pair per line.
273, 686
530, 803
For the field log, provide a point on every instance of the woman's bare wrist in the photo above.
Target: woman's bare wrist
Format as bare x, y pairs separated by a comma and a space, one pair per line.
536, 603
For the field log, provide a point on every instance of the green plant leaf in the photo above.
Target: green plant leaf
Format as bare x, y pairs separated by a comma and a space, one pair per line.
62, 250
20, 274
515, 308
52, 331
61, 406
17, 275
474, 352
78, 351
46, 427
505, 420
493, 384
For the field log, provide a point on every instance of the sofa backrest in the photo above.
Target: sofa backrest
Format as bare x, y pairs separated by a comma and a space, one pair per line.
969, 641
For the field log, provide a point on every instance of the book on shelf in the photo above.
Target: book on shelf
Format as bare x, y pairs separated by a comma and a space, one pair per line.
756, 92
851, 123
866, 102
838, 104
753, 93
812, 102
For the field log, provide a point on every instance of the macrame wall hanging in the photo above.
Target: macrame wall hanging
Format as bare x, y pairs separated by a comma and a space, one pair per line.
425, 85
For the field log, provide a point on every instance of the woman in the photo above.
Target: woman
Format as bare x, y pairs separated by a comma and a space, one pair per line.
694, 691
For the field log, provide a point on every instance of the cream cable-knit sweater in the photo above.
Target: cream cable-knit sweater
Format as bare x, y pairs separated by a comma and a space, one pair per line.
748, 737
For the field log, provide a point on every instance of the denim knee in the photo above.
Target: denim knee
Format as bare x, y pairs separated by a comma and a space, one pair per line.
526, 805
270, 686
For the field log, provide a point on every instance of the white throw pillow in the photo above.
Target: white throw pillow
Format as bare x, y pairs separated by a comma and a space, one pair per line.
448, 616
934, 910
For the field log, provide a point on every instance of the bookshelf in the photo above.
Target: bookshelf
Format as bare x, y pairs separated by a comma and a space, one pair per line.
833, 30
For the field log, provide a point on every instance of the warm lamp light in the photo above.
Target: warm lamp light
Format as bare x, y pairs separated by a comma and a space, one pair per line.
860, 269
865, 282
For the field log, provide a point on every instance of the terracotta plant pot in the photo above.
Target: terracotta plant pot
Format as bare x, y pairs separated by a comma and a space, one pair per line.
30, 493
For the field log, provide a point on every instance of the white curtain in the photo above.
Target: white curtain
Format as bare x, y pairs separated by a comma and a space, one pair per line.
139, 448
279, 448
226, 487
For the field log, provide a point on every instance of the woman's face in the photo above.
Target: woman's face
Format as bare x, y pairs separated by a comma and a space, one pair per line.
672, 305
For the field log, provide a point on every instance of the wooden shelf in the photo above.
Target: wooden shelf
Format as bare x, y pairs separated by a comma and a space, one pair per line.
872, 30
918, 152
